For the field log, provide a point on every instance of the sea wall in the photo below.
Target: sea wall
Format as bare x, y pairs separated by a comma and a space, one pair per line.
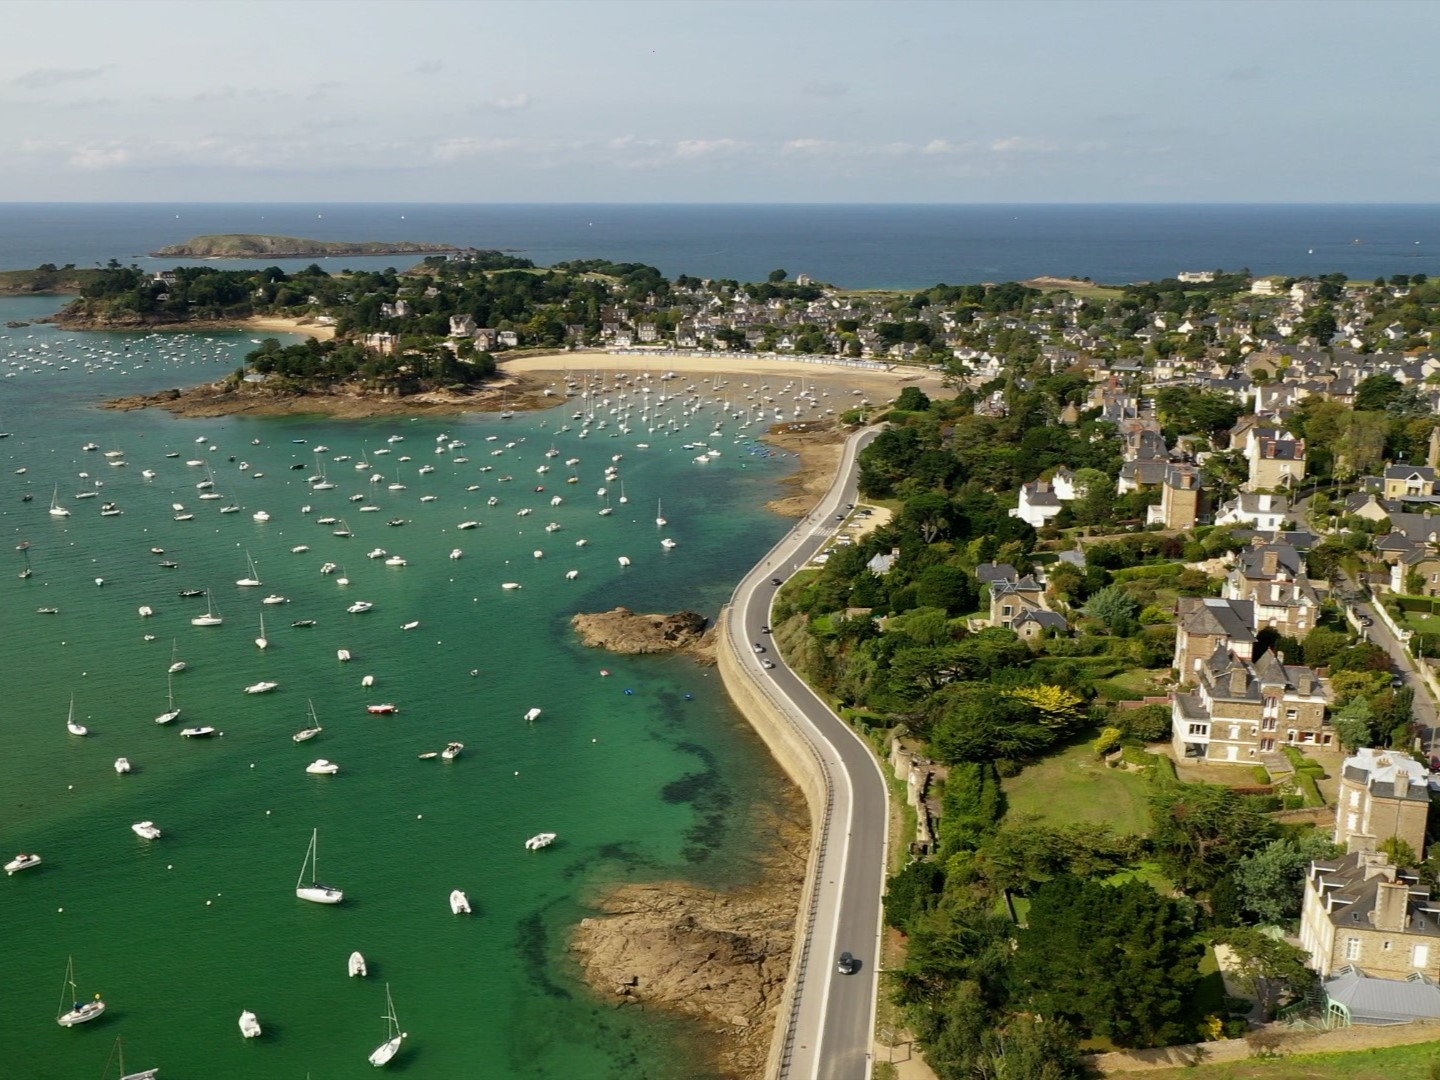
798, 758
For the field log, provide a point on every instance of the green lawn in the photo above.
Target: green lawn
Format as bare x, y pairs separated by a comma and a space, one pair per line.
1132, 685
1391, 1063
1075, 785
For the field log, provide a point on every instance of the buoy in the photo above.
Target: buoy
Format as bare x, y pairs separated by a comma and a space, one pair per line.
629, 691
419, 816
604, 672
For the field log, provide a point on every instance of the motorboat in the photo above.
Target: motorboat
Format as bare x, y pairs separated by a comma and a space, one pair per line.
146, 611
395, 560
249, 1025
355, 966
343, 655
384, 709
204, 731
456, 553
452, 751
322, 767
359, 606
77, 1013
468, 525
146, 829
510, 585
387, 1050
411, 625
275, 598
260, 516
303, 622
328, 568
122, 765
376, 553
540, 840
532, 714
316, 892
24, 861
300, 549
261, 687
459, 902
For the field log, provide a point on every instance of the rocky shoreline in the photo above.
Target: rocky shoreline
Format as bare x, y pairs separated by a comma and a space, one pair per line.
621, 630
720, 957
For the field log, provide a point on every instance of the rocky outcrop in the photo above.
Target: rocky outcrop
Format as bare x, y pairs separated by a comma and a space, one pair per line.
261, 245
718, 957
623, 631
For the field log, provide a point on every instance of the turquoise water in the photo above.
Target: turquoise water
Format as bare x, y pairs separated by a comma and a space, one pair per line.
648, 774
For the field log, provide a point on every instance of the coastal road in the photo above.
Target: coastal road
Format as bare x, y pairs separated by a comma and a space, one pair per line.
830, 1028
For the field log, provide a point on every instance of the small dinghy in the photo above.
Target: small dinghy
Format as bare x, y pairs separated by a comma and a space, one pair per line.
355, 966
459, 902
249, 1025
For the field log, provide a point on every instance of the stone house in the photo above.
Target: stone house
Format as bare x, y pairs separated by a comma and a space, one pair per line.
1010, 599
1183, 503
1272, 577
1360, 909
1383, 793
1241, 709
1276, 458
1206, 623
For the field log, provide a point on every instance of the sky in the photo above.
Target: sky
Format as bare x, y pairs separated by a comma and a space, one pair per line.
719, 101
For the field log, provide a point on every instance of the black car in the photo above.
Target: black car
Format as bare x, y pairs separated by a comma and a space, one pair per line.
774, 581
764, 629
846, 964
1365, 620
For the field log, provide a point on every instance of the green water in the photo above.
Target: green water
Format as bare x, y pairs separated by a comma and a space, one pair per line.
645, 775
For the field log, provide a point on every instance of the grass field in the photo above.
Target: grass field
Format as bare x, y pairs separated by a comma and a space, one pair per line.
1074, 785
1417, 1062
1134, 684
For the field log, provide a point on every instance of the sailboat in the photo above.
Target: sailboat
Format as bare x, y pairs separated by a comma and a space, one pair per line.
72, 725
172, 713
310, 730
176, 664
262, 642
316, 892
660, 521
24, 548
56, 510
78, 1013
209, 618
393, 1035
118, 1050
252, 579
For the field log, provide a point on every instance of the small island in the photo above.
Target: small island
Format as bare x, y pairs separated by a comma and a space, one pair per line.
261, 246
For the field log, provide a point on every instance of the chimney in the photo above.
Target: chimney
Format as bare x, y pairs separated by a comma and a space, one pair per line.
1359, 842
1269, 561
1402, 785
1237, 680
1391, 902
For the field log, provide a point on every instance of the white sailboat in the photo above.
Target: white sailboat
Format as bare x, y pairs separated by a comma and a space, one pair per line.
383, 1053
72, 725
312, 729
78, 1013
176, 664
171, 712
660, 521
209, 618
316, 892
262, 642
253, 579
118, 1051
56, 510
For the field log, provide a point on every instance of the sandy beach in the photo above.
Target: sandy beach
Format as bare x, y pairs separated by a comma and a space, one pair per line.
276, 324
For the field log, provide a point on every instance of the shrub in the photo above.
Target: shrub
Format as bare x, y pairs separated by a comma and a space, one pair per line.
1109, 739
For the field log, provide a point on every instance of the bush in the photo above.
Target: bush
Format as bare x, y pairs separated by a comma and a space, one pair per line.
1109, 739
1261, 774
1149, 723
1305, 781
1165, 772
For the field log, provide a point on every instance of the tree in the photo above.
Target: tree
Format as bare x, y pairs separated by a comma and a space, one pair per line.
912, 891
776, 276
973, 803
1200, 830
985, 727
1268, 968
1115, 607
1057, 707
1375, 392
912, 399
1118, 962
1269, 881
947, 587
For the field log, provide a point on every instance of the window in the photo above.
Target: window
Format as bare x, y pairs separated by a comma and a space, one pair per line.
1199, 729
1420, 956
1291, 714
1270, 723
1352, 948
1352, 822
1267, 745
1354, 798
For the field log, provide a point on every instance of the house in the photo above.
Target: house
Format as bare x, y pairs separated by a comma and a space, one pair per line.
1360, 909
1010, 599
1038, 504
1206, 623
1272, 577
1276, 458
1034, 623
1383, 793
1408, 482
384, 344
1182, 499
1241, 709
486, 338
508, 337
991, 572
882, 563
1197, 277
1255, 510
462, 325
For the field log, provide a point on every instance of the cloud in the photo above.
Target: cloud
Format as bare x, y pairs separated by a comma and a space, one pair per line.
92, 156
825, 89
504, 103
696, 148
429, 67
44, 78
1014, 144
463, 147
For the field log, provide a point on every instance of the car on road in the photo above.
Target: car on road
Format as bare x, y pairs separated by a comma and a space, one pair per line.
846, 964
768, 664
774, 581
1365, 620
764, 629
759, 647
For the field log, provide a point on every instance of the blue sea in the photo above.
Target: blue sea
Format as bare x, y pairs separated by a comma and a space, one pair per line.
859, 246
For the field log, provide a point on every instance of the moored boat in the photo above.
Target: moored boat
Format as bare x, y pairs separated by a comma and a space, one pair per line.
540, 840
459, 902
355, 966
249, 1025
452, 750
24, 861
146, 829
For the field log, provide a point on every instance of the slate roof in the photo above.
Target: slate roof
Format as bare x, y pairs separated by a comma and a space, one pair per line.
1371, 1000
1378, 770
1213, 616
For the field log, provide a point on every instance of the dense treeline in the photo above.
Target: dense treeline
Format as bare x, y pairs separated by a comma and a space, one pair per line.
408, 371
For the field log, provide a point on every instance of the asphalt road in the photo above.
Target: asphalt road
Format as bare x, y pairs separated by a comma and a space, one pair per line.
833, 1019
1404, 665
